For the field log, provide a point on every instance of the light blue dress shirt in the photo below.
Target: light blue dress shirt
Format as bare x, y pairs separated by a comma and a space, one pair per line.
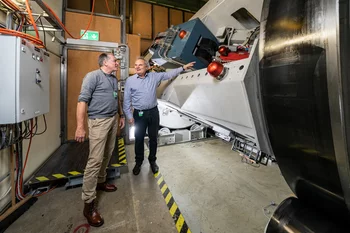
141, 92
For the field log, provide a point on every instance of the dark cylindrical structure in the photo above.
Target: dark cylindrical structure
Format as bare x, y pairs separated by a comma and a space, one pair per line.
293, 216
304, 84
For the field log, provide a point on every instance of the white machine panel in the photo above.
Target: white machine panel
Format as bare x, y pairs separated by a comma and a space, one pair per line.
24, 80
217, 14
172, 119
224, 102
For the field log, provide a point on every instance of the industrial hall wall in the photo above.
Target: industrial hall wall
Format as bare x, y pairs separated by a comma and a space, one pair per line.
143, 19
79, 62
42, 145
150, 19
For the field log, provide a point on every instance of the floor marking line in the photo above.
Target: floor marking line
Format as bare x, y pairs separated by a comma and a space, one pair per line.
174, 210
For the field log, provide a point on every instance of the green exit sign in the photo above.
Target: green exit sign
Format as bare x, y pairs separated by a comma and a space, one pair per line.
90, 35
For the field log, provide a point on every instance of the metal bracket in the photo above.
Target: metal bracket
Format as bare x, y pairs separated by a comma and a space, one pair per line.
50, 17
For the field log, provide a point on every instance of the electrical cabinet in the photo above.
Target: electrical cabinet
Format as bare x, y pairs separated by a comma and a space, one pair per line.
24, 80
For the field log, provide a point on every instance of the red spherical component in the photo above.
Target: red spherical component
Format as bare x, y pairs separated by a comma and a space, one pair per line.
182, 34
215, 69
223, 50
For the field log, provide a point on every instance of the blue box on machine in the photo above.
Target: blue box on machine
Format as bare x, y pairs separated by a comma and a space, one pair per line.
193, 42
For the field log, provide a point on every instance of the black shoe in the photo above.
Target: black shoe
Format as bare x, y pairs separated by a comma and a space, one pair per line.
136, 169
154, 167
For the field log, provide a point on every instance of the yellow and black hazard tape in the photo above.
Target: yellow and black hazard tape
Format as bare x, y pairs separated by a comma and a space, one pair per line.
121, 151
121, 154
121, 162
56, 176
174, 210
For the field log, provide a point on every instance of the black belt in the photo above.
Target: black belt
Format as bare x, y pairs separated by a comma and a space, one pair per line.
145, 110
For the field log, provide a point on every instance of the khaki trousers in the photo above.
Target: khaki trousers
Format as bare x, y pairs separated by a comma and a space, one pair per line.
102, 135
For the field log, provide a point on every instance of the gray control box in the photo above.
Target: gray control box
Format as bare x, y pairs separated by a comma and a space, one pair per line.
24, 80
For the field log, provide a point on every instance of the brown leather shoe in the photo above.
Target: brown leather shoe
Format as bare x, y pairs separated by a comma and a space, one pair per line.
91, 214
106, 187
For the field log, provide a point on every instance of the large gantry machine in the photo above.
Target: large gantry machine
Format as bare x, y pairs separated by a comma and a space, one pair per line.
272, 77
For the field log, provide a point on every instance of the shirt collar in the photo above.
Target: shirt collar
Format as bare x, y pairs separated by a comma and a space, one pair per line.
146, 75
107, 75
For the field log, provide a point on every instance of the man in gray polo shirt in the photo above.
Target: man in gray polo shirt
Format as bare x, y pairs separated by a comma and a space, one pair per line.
140, 93
99, 97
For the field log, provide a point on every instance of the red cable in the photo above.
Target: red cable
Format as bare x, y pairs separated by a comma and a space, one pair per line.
106, 1
32, 19
78, 228
64, 28
17, 163
11, 5
39, 42
32, 39
25, 163
22, 23
46, 192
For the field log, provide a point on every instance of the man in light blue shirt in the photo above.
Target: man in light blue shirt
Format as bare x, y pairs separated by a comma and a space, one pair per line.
140, 93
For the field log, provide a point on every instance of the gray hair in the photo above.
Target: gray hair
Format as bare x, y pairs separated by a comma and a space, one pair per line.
143, 59
102, 58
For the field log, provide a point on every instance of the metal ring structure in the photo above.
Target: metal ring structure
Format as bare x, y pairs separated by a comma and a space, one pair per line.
304, 67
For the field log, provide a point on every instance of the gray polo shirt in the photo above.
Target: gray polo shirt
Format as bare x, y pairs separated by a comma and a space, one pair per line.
141, 92
97, 91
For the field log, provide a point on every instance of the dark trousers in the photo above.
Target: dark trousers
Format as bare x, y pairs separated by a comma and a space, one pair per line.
150, 120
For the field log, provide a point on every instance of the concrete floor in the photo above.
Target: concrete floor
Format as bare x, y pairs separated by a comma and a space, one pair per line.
214, 190
137, 206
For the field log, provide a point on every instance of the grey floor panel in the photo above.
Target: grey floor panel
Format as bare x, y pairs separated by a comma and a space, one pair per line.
215, 191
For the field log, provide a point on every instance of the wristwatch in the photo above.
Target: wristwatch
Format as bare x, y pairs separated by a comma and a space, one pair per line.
122, 116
